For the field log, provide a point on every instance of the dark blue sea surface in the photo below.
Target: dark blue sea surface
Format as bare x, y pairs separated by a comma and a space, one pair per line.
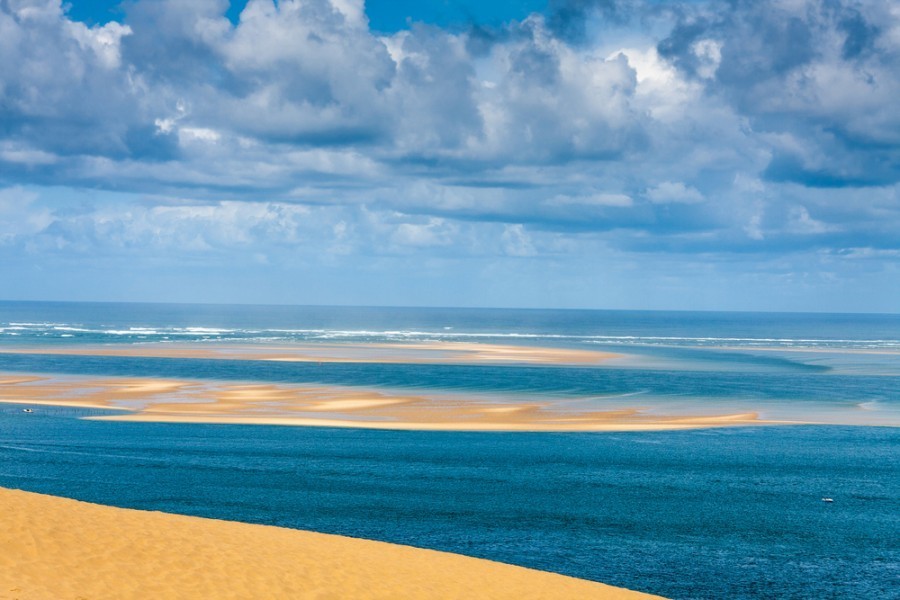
722, 513
719, 513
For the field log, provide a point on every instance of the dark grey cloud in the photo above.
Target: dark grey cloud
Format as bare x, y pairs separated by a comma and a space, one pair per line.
171, 41
63, 88
820, 75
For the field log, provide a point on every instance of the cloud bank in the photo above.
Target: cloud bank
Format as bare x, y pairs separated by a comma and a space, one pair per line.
757, 139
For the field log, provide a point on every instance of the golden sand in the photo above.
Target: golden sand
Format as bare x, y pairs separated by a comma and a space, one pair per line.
60, 549
421, 352
162, 400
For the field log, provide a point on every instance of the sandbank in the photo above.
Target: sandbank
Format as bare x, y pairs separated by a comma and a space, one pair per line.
60, 549
419, 352
185, 401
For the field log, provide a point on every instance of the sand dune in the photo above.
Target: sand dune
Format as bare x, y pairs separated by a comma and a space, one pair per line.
61, 549
174, 401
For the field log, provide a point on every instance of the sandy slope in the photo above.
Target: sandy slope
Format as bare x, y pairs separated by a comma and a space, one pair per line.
61, 549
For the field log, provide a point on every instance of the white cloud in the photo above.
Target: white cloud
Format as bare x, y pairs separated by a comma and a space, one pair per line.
517, 242
709, 55
661, 91
434, 232
600, 199
669, 192
104, 41
21, 154
458, 133
800, 221
19, 215
753, 228
201, 134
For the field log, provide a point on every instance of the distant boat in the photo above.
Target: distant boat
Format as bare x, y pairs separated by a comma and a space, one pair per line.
827, 500
27, 410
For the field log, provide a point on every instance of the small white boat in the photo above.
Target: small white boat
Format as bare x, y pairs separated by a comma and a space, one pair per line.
827, 500
27, 410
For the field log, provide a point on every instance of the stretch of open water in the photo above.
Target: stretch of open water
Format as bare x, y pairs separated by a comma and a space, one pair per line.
714, 513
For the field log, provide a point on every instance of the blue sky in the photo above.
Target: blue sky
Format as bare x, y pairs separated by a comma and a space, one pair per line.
566, 153
384, 15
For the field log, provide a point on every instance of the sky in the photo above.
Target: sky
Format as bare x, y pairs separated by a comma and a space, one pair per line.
625, 154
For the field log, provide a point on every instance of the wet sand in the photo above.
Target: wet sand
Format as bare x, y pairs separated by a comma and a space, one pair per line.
172, 401
55, 548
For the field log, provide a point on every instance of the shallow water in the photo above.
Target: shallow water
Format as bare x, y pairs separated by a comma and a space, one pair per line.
808, 367
714, 513
791, 392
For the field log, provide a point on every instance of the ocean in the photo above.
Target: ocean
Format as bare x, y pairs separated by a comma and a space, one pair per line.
732, 512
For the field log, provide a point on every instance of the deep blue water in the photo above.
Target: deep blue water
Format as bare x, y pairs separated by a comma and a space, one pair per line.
726, 513
731, 513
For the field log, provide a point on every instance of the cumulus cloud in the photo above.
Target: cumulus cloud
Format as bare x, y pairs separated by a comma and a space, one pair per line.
600, 199
172, 227
517, 242
819, 73
695, 127
19, 218
669, 192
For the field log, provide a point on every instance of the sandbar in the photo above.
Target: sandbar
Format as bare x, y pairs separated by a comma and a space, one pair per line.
187, 401
57, 548
419, 352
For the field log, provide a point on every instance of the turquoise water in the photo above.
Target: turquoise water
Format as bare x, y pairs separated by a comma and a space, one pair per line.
837, 369
700, 514
50, 322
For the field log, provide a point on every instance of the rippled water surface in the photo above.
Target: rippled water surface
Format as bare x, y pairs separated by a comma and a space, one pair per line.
734, 513
46, 322
726, 513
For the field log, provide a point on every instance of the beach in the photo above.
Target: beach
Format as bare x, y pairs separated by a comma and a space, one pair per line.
60, 549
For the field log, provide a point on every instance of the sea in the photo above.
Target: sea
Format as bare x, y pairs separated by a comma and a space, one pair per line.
710, 513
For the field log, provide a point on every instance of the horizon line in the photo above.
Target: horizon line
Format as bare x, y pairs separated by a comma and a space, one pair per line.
441, 307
